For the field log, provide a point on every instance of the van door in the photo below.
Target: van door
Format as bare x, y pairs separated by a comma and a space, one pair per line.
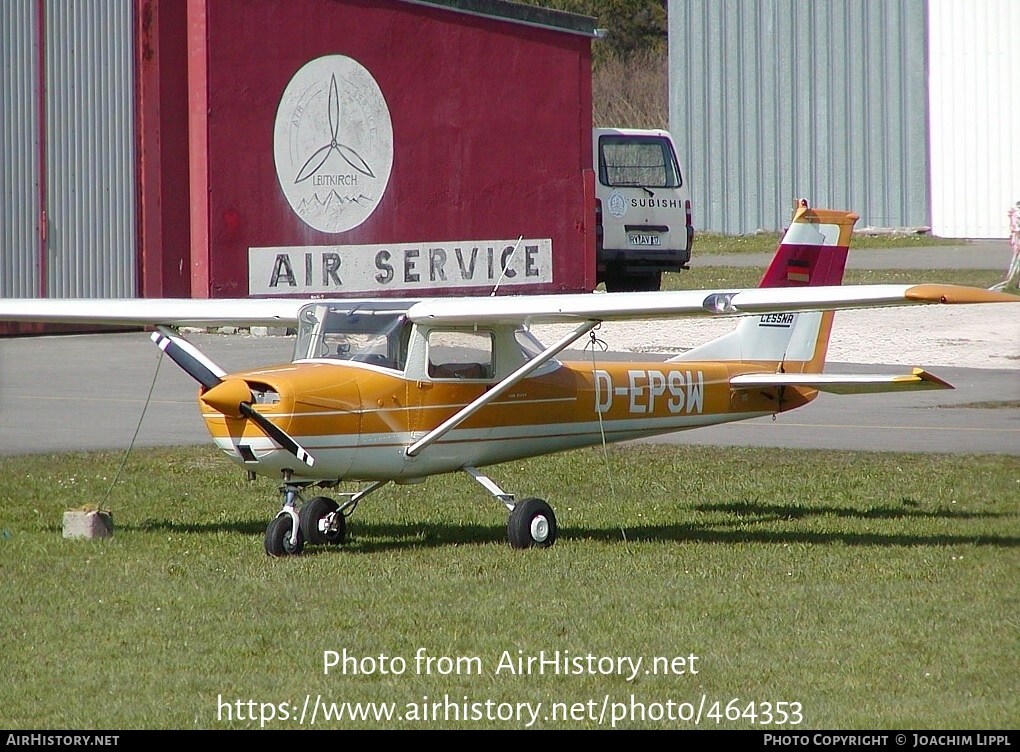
643, 208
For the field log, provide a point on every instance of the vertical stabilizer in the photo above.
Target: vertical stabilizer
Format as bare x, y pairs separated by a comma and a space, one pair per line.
812, 253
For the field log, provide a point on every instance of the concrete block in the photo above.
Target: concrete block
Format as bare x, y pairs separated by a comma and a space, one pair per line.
82, 524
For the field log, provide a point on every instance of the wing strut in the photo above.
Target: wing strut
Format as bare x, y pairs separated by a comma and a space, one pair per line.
509, 382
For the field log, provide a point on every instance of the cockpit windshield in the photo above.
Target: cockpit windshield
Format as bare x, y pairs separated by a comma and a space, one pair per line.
376, 333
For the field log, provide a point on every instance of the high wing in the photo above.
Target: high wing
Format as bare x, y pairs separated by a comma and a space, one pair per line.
655, 305
504, 309
154, 311
589, 309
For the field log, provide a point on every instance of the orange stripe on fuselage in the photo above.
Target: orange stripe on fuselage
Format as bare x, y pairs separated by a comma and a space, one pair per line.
322, 400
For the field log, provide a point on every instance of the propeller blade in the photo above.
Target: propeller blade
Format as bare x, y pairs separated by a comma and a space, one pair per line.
277, 434
334, 108
189, 358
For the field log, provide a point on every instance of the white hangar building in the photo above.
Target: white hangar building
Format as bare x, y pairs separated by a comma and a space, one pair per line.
905, 111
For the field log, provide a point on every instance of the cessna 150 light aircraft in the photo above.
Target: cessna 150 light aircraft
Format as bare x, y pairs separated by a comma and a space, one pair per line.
397, 390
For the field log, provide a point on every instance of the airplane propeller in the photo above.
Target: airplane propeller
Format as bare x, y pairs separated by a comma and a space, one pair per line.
232, 397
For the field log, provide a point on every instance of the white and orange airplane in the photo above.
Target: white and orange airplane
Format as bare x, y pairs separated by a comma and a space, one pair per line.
397, 390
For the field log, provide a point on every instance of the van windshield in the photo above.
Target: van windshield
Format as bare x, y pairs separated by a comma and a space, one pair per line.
638, 161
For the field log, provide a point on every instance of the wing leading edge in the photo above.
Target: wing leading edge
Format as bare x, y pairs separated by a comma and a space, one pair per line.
655, 305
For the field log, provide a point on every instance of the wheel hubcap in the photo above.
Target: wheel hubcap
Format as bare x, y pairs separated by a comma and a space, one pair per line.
539, 529
328, 527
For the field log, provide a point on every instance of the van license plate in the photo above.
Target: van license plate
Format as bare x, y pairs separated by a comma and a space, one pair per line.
643, 239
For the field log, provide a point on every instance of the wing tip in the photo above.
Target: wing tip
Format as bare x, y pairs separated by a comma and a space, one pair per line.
931, 380
957, 294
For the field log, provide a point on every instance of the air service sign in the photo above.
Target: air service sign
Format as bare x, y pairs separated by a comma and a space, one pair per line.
333, 150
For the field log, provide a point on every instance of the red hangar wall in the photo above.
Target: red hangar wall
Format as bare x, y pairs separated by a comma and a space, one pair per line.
357, 148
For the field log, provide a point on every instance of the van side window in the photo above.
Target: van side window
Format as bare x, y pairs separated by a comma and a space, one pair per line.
460, 355
637, 161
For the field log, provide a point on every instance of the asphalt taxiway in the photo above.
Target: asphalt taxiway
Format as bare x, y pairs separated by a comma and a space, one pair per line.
80, 392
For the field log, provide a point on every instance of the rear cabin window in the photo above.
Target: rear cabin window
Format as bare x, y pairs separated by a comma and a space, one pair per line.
637, 161
460, 355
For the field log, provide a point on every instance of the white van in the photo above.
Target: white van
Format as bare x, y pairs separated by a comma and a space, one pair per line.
642, 208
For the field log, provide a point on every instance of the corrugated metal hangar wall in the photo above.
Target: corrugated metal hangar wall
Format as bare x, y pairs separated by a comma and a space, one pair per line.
780, 99
777, 99
67, 149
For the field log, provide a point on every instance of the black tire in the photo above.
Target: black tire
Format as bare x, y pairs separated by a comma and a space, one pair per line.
532, 524
278, 541
643, 282
650, 282
312, 513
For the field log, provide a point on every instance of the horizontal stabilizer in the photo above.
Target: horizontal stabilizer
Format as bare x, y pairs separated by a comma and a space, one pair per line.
843, 383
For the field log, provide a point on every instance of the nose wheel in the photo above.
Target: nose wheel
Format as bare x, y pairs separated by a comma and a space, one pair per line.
318, 521
280, 537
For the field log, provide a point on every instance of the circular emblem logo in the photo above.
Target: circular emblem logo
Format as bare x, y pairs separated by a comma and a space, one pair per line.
617, 204
333, 143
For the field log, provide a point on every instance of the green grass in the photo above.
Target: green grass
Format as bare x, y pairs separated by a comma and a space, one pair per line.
987, 405
709, 277
877, 590
706, 243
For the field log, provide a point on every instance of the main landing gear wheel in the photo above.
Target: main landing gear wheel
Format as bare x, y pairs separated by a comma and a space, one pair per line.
316, 526
532, 524
278, 537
